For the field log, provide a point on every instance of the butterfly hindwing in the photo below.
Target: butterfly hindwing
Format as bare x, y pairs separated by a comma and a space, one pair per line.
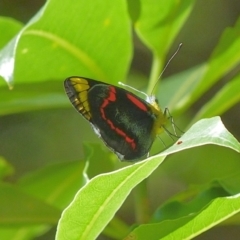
123, 126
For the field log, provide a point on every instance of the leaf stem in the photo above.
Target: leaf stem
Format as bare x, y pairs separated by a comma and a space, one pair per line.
155, 73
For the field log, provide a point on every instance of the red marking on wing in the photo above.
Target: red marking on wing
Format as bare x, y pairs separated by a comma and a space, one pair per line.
112, 98
179, 142
137, 102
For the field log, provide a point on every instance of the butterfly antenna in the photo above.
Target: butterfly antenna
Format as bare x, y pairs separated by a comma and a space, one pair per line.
179, 46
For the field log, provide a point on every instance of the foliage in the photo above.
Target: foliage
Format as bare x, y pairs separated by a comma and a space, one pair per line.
95, 40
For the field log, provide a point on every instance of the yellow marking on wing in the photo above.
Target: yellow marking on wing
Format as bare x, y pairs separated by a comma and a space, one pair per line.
81, 87
83, 108
83, 96
80, 84
78, 80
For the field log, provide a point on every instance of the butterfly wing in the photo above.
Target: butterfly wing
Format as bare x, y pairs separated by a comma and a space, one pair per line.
77, 89
123, 120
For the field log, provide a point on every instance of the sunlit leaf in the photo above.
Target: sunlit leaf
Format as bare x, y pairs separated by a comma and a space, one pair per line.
97, 202
60, 45
9, 28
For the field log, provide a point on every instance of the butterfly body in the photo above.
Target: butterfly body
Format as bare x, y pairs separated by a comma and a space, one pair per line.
126, 123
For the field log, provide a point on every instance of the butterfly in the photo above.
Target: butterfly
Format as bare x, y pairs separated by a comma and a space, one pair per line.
126, 123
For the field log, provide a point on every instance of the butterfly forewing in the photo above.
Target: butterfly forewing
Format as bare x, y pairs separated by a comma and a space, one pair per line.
77, 89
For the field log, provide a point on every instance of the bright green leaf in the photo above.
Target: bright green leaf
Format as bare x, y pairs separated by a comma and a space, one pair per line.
217, 211
159, 22
8, 29
192, 225
205, 131
97, 202
83, 41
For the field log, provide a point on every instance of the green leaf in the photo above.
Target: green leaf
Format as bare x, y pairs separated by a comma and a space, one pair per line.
217, 211
189, 85
29, 97
225, 98
55, 184
180, 88
97, 202
6, 169
18, 208
8, 28
27, 233
231, 182
186, 87
197, 160
223, 59
93, 151
205, 131
189, 202
62, 45
191, 226
159, 22
155, 231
